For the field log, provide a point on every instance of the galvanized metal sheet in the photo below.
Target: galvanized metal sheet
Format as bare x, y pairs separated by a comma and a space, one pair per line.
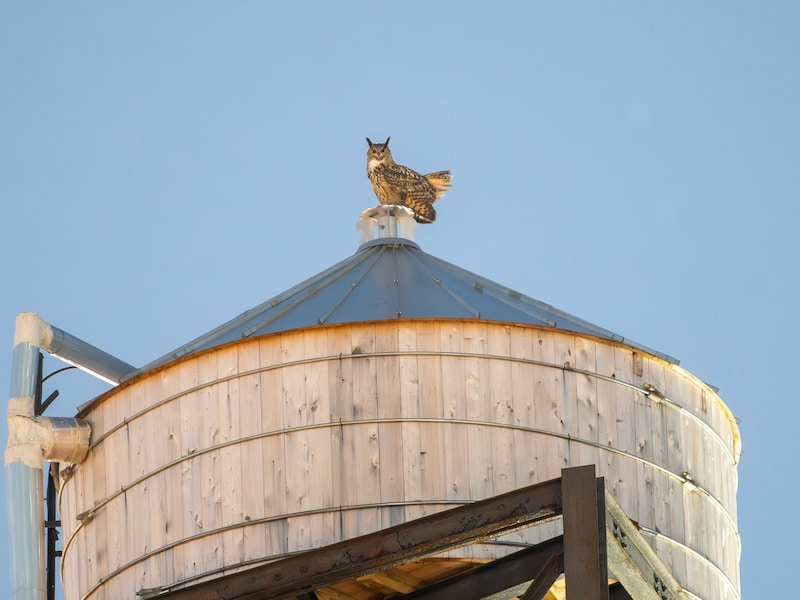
391, 278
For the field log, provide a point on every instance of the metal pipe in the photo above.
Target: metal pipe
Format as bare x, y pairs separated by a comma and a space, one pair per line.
33, 438
24, 493
76, 352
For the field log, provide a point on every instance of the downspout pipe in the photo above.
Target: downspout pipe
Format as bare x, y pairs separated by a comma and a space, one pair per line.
32, 439
24, 484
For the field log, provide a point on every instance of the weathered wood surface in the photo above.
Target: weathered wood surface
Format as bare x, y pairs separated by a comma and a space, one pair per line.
299, 439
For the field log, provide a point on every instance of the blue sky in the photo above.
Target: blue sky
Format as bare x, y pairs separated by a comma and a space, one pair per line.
165, 166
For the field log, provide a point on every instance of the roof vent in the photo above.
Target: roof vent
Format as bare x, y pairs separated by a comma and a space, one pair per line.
386, 221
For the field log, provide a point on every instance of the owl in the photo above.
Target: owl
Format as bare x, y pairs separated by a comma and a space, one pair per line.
396, 184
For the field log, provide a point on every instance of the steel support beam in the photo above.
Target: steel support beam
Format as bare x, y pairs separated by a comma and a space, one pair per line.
585, 563
634, 562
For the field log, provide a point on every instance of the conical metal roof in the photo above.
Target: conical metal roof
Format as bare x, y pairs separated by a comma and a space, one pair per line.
390, 277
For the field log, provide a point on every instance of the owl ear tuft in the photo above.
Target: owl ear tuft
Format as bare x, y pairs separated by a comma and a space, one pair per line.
386, 143
369, 141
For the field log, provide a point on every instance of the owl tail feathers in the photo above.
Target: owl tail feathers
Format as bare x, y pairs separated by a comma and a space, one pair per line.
441, 182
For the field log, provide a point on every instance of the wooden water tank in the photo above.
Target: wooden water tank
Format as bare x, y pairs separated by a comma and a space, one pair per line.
246, 451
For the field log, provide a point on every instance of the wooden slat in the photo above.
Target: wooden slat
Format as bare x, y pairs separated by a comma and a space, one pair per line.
526, 397
273, 463
230, 457
500, 401
498, 575
318, 410
587, 407
191, 476
250, 423
210, 499
394, 579
479, 446
453, 376
564, 407
625, 399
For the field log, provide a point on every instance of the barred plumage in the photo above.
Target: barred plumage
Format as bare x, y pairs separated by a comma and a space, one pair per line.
396, 184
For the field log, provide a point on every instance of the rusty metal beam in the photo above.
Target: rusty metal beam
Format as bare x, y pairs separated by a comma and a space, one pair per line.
348, 559
585, 563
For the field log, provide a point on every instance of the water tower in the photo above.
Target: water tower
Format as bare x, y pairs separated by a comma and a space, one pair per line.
391, 386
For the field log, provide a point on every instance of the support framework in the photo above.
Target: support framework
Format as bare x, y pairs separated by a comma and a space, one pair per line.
593, 525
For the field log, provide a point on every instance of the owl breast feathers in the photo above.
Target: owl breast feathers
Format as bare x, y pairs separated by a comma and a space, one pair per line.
396, 184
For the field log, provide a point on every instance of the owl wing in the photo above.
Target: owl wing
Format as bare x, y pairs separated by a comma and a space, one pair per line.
414, 191
403, 178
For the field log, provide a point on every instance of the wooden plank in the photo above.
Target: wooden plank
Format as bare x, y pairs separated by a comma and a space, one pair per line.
406, 436
584, 539
527, 395
85, 548
380, 550
397, 381
566, 394
295, 445
320, 485
394, 579
110, 473
337, 342
432, 453
340, 373
501, 409
365, 379
479, 447
500, 574
273, 454
427, 337
295, 404
148, 446
364, 438
170, 387
454, 406
321, 524
230, 457
367, 477
318, 406
586, 402
191, 478
209, 500
607, 409
250, 423
412, 469
625, 489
